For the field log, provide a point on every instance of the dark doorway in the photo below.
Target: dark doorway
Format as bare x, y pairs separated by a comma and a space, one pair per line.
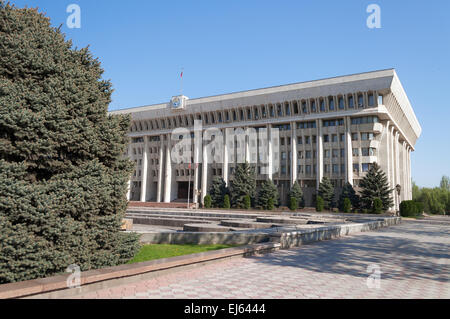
183, 190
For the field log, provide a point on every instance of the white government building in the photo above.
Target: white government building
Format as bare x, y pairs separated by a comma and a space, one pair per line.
335, 127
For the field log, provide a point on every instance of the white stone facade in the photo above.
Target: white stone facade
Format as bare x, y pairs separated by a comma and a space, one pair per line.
333, 127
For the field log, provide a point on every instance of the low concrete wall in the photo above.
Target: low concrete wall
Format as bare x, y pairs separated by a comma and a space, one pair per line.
305, 236
193, 238
93, 280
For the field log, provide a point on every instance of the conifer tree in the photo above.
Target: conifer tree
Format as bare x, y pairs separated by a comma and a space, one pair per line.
326, 191
297, 193
267, 191
63, 176
242, 184
348, 192
375, 185
218, 190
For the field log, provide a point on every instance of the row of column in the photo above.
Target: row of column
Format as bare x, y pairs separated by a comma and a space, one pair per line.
395, 162
399, 165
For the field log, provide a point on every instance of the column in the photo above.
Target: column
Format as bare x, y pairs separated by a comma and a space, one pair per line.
269, 152
397, 166
392, 160
225, 157
247, 150
319, 160
197, 143
129, 181
204, 174
409, 174
348, 151
294, 156
168, 173
160, 169
144, 173
388, 153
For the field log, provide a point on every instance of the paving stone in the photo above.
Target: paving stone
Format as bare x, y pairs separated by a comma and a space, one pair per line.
413, 257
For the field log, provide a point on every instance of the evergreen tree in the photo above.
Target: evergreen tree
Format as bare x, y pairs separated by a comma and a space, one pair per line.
326, 191
348, 192
319, 204
218, 190
347, 205
267, 191
226, 202
63, 176
375, 185
242, 184
296, 192
207, 201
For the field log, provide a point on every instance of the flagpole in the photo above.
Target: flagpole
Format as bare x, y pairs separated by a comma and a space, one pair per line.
182, 71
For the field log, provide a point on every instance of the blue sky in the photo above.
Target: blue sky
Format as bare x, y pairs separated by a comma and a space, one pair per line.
228, 46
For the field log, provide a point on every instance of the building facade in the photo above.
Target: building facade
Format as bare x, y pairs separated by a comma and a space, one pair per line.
334, 127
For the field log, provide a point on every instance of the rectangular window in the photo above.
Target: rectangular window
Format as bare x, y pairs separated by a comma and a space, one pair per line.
356, 168
355, 152
342, 152
308, 169
342, 137
334, 138
365, 151
326, 138
313, 106
299, 140
342, 168
354, 136
308, 154
327, 153
307, 140
335, 169
326, 168
335, 153
365, 167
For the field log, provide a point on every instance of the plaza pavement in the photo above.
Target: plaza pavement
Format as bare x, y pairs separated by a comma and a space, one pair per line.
413, 259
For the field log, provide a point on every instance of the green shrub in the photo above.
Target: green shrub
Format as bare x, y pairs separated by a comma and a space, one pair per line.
247, 202
293, 205
207, 201
377, 206
226, 202
347, 205
270, 204
319, 204
409, 208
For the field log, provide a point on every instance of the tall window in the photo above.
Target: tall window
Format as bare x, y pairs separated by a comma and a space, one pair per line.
371, 99
287, 109
351, 103
313, 106
360, 100
322, 105
341, 103
331, 103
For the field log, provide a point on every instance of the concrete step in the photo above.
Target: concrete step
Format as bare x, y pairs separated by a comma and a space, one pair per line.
245, 224
281, 220
173, 222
